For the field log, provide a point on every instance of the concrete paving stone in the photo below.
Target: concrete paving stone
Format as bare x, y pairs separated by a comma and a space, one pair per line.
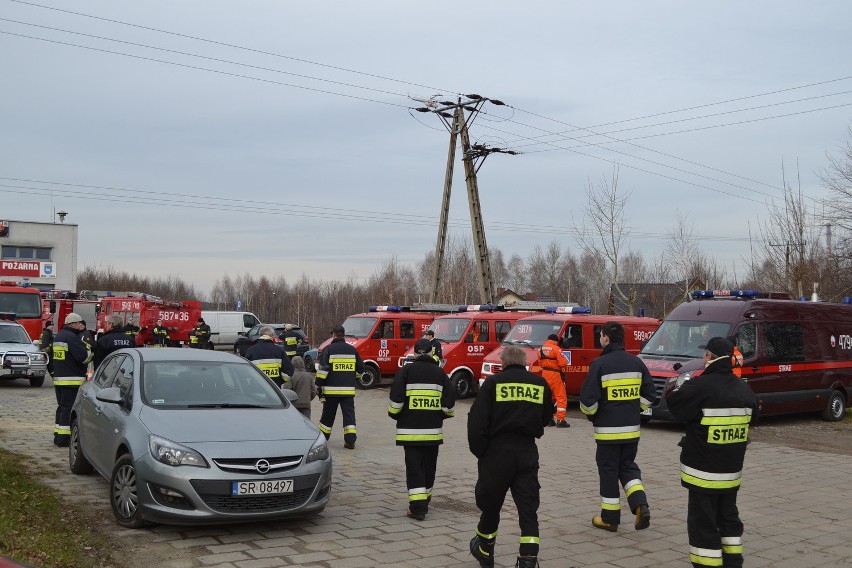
324, 546
355, 562
238, 537
233, 547
211, 559
350, 551
261, 563
192, 542
394, 558
311, 558
270, 552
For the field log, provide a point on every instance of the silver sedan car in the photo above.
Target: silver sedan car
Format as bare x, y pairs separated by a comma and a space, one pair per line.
195, 436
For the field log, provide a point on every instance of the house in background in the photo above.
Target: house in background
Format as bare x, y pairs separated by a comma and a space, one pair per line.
655, 300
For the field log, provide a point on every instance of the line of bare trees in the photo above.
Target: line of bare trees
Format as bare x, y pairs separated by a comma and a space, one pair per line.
789, 255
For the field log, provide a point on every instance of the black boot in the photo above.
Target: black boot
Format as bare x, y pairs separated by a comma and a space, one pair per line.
483, 551
527, 562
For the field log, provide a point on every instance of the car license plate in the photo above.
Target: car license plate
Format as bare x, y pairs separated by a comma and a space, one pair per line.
646, 412
270, 487
17, 359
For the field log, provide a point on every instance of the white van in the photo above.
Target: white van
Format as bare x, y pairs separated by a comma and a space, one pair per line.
225, 327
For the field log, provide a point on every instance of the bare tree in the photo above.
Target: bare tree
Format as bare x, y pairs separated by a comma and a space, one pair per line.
607, 231
517, 274
682, 249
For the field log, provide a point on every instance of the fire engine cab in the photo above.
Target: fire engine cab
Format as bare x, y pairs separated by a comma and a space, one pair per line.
383, 334
23, 304
143, 310
466, 338
56, 304
578, 331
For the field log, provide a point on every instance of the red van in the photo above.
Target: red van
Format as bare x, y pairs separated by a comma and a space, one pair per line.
797, 355
383, 334
466, 338
579, 335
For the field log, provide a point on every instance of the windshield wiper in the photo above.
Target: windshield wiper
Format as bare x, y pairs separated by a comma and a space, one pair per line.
12, 341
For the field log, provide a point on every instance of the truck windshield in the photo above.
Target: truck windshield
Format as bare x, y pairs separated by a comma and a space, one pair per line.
450, 329
532, 332
23, 305
684, 338
359, 327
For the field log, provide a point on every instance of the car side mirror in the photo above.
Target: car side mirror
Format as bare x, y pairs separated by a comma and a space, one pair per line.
290, 395
111, 394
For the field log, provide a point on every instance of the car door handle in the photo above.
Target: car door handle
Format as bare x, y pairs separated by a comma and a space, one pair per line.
98, 409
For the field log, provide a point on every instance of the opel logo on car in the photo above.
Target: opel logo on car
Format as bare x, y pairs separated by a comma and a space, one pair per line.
262, 466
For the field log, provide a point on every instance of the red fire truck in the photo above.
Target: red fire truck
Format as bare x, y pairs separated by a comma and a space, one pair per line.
578, 331
466, 338
22, 303
384, 333
56, 304
143, 310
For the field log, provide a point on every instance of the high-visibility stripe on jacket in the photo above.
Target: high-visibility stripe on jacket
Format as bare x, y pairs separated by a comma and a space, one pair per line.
71, 358
270, 359
717, 408
338, 367
616, 389
421, 397
291, 341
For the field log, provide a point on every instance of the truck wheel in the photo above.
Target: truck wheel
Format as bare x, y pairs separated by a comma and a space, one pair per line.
461, 380
370, 378
836, 408
36, 381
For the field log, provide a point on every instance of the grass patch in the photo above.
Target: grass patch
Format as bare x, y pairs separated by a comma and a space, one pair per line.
37, 527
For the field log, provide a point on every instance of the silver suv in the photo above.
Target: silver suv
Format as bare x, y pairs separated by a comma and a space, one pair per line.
19, 358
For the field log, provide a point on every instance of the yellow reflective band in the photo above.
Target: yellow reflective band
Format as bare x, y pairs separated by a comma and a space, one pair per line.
62, 430
68, 381
424, 402
520, 392
272, 370
725, 420
617, 436
418, 497
727, 434
59, 353
622, 393
338, 391
322, 374
491, 536
419, 437
588, 410
704, 561
529, 540
323, 428
393, 410
707, 484
422, 392
633, 489
610, 506
342, 366
632, 382
349, 430
732, 548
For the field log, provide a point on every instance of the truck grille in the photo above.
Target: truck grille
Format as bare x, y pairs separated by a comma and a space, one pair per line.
660, 385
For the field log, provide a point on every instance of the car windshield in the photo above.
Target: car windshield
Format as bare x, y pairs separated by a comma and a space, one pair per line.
449, 329
359, 327
23, 305
196, 384
532, 332
684, 338
13, 334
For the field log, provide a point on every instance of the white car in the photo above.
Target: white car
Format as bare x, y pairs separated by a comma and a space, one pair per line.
19, 357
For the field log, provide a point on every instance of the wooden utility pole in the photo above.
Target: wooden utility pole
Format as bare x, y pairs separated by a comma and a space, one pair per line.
458, 117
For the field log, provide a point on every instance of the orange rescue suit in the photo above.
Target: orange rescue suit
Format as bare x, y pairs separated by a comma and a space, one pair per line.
737, 362
553, 364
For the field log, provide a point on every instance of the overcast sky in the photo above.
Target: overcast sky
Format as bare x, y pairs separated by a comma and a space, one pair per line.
273, 161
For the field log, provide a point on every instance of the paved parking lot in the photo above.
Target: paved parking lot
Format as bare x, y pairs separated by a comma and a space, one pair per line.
794, 503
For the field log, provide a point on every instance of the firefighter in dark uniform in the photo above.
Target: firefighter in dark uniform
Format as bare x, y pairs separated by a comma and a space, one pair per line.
421, 397
509, 413
290, 339
202, 333
270, 358
338, 368
617, 388
112, 339
717, 408
161, 334
46, 342
132, 330
71, 360
437, 351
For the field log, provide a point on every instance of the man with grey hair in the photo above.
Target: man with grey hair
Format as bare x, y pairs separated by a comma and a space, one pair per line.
509, 413
270, 358
112, 339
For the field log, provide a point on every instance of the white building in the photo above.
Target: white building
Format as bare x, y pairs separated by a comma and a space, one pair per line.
45, 254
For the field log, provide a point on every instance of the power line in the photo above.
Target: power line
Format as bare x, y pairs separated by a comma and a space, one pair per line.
313, 89
277, 208
206, 57
225, 44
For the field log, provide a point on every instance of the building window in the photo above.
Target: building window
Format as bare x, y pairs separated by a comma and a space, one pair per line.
25, 253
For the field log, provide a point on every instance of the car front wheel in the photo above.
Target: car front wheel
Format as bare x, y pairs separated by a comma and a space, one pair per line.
124, 493
836, 408
462, 382
370, 378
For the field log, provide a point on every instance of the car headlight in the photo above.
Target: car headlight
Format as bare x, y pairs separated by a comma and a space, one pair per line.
486, 367
172, 453
38, 357
319, 451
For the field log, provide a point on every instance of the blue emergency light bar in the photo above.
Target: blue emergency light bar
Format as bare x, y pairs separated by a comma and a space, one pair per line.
567, 310
478, 308
385, 309
725, 293
847, 300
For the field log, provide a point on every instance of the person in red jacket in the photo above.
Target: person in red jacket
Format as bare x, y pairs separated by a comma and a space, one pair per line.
553, 364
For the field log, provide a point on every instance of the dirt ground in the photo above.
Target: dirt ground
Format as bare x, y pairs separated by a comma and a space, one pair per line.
806, 432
